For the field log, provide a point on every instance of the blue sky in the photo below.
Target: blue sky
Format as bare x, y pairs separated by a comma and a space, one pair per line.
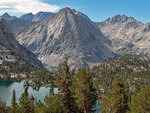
97, 10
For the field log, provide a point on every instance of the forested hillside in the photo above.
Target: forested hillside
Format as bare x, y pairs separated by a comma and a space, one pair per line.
118, 85
134, 71
20, 70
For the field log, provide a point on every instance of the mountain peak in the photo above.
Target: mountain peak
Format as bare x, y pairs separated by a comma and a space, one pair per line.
68, 32
6, 16
66, 9
124, 18
28, 14
37, 17
118, 19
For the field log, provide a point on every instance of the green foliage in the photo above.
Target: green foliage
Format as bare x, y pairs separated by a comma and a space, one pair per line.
141, 102
115, 83
85, 92
23, 70
41, 108
53, 104
117, 101
135, 71
64, 83
24, 102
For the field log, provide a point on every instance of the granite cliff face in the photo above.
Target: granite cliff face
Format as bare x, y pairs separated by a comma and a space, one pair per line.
128, 36
66, 33
11, 50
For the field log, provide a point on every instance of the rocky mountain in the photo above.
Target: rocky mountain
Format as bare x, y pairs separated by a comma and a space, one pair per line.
11, 50
38, 17
6, 16
18, 24
28, 17
66, 33
128, 35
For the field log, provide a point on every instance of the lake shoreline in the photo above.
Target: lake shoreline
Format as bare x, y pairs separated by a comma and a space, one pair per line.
7, 87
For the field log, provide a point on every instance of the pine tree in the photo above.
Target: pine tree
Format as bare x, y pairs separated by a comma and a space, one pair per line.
32, 104
64, 83
53, 104
24, 102
14, 102
85, 92
117, 100
140, 103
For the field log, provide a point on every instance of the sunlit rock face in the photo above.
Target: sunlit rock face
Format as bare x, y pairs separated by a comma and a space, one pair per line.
67, 33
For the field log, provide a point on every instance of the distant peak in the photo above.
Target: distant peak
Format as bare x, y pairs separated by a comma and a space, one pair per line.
40, 13
120, 16
120, 19
6, 15
31, 14
27, 15
123, 17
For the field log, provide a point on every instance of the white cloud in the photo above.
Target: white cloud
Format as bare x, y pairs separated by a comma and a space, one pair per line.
26, 6
4, 7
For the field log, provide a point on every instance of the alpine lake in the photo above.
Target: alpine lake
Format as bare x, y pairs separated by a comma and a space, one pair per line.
7, 87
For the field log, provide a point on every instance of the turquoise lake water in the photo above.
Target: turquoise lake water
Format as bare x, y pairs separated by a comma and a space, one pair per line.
7, 87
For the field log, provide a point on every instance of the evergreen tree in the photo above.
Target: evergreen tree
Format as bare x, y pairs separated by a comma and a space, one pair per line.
53, 104
117, 100
85, 92
140, 103
32, 104
14, 102
24, 102
40, 107
64, 83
